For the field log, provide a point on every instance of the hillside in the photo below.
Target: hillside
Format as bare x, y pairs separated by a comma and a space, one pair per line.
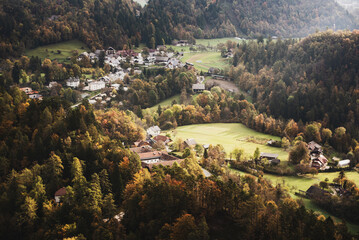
208, 19
28, 24
313, 79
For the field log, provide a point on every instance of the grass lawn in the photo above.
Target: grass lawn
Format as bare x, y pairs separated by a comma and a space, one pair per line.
50, 51
229, 135
165, 103
204, 60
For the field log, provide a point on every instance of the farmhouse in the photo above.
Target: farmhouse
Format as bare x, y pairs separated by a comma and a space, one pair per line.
141, 143
314, 147
26, 90
59, 194
198, 87
181, 43
319, 162
344, 163
151, 159
271, 157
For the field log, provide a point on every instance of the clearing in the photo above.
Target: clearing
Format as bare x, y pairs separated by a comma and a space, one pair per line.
202, 61
165, 103
230, 136
51, 51
226, 85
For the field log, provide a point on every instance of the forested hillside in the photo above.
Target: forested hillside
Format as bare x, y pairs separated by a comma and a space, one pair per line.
208, 19
314, 79
27, 24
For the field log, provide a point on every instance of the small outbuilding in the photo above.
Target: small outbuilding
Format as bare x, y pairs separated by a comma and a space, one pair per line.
59, 194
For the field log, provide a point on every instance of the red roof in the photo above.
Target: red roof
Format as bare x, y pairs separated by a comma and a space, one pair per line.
161, 138
60, 192
163, 163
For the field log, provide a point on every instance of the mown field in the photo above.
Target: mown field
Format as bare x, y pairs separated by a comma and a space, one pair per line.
202, 61
213, 42
230, 136
51, 51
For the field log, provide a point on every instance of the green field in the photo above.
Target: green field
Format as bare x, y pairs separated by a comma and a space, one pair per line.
165, 103
230, 136
50, 51
294, 184
213, 42
204, 60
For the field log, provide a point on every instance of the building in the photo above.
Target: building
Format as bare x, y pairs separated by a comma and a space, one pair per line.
59, 194
142, 149
162, 138
316, 192
314, 148
110, 51
319, 161
198, 87
35, 95
344, 163
271, 157
182, 43
153, 131
53, 84
156, 158
141, 143
26, 90
73, 82
190, 142
96, 85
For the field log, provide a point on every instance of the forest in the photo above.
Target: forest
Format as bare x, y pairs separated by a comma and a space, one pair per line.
47, 145
124, 24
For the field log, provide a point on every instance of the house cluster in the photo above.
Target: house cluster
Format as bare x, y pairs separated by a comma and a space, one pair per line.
115, 58
150, 157
319, 161
31, 93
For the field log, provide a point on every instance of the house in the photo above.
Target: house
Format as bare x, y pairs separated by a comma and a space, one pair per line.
142, 149
314, 148
190, 142
151, 159
153, 131
110, 51
319, 162
198, 87
96, 85
161, 59
26, 90
271, 157
162, 138
53, 84
73, 82
316, 192
182, 43
59, 194
35, 95
200, 79
141, 143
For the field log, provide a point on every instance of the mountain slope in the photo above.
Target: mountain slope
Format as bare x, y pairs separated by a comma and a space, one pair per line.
207, 19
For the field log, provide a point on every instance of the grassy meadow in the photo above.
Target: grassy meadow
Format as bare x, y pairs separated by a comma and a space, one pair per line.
51, 51
165, 103
202, 61
230, 136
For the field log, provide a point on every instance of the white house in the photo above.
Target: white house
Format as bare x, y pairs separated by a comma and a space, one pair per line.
96, 85
344, 163
73, 82
154, 131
